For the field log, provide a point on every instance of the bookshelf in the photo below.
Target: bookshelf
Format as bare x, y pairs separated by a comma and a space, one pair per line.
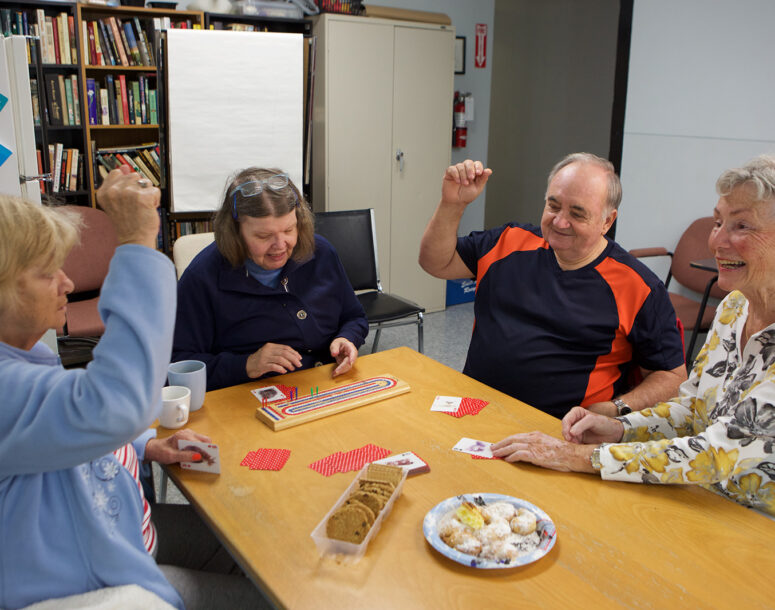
56, 85
120, 50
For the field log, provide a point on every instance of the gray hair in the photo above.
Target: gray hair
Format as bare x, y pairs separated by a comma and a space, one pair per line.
758, 172
614, 195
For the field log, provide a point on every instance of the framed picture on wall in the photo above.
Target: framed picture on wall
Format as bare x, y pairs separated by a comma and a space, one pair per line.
460, 54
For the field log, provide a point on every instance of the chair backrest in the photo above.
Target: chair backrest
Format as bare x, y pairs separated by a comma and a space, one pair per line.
693, 246
353, 235
186, 247
88, 262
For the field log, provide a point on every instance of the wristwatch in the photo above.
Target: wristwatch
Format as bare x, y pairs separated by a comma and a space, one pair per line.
622, 408
595, 459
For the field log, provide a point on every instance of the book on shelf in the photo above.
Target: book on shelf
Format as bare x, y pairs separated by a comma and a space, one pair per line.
108, 56
117, 41
124, 99
76, 99
134, 49
134, 157
71, 35
57, 167
104, 107
55, 116
130, 104
69, 102
91, 97
152, 107
146, 54
63, 97
137, 111
73, 184
39, 155
112, 108
35, 100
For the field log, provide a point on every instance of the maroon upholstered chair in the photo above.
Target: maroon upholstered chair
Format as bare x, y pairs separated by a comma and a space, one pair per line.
87, 265
697, 316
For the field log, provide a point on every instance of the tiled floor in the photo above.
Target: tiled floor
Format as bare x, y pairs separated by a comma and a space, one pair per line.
446, 335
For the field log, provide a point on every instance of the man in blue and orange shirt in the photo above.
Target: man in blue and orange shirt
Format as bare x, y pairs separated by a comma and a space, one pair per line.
563, 315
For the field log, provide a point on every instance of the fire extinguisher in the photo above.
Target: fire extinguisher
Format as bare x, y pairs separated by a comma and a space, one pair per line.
459, 132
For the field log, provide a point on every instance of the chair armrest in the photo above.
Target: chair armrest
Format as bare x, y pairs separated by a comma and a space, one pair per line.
646, 252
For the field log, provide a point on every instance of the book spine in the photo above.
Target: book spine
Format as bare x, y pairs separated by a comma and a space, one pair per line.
76, 99
152, 106
35, 101
64, 39
112, 106
39, 155
91, 96
44, 52
131, 104
138, 113
104, 106
54, 101
124, 98
142, 44
70, 101
67, 167
63, 97
142, 85
57, 166
55, 34
119, 44
132, 41
93, 59
71, 38
105, 43
74, 171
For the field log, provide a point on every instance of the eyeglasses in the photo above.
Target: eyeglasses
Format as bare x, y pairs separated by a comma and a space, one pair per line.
255, 187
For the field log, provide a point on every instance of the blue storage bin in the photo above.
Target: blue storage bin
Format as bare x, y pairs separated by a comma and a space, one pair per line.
460, 291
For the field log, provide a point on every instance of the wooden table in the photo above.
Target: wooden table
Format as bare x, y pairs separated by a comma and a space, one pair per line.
618, 544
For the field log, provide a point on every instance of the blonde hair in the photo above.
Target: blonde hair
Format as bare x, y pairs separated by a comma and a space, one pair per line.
268, 203
32, 234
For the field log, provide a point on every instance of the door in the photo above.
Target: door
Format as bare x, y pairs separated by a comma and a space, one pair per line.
422, 119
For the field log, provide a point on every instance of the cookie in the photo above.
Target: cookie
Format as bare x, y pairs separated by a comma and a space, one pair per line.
373, 501
383, 472
370, 514
348, 523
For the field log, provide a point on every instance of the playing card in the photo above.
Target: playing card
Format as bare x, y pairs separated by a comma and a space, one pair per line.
270, 393
408, 460
210, 462
446, 404
474, 447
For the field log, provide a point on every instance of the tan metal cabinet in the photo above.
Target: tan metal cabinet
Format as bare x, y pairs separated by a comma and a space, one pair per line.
382, 120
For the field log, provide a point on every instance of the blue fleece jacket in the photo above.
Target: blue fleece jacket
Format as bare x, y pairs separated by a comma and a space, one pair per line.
70, 515
224, 314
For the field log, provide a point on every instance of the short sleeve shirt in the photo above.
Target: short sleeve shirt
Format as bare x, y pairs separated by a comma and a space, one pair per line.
554, 338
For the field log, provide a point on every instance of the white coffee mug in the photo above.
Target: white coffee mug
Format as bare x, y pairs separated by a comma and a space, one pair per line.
193, 375
175, 400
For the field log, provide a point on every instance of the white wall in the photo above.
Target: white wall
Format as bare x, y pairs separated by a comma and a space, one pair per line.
700, 99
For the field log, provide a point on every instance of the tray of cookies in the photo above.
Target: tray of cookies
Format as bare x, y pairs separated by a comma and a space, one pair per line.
357, 515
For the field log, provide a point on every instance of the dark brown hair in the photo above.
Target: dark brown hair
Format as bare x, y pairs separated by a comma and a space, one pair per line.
267, 203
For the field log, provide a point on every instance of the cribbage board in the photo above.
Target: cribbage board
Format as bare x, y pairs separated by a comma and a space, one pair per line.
286, 413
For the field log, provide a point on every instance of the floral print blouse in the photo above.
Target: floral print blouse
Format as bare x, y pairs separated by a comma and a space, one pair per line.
720, 431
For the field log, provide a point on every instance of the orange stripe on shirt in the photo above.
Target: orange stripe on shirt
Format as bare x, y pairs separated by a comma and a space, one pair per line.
630, 292
513, 239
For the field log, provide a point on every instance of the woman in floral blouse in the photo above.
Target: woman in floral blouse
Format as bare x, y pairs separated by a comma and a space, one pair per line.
720, 431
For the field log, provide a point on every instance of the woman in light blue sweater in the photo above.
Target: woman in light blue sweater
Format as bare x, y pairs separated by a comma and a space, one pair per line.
70, 513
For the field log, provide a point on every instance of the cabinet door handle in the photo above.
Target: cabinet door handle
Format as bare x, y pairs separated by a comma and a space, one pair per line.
400, 159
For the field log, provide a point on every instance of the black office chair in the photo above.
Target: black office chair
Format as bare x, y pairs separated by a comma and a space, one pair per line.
353, 235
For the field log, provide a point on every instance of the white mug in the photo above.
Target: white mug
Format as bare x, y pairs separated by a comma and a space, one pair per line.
175, 400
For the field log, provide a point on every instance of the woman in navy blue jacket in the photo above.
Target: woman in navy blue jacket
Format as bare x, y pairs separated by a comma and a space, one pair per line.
269, 296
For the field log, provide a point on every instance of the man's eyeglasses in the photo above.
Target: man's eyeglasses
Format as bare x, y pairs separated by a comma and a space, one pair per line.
255, 187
